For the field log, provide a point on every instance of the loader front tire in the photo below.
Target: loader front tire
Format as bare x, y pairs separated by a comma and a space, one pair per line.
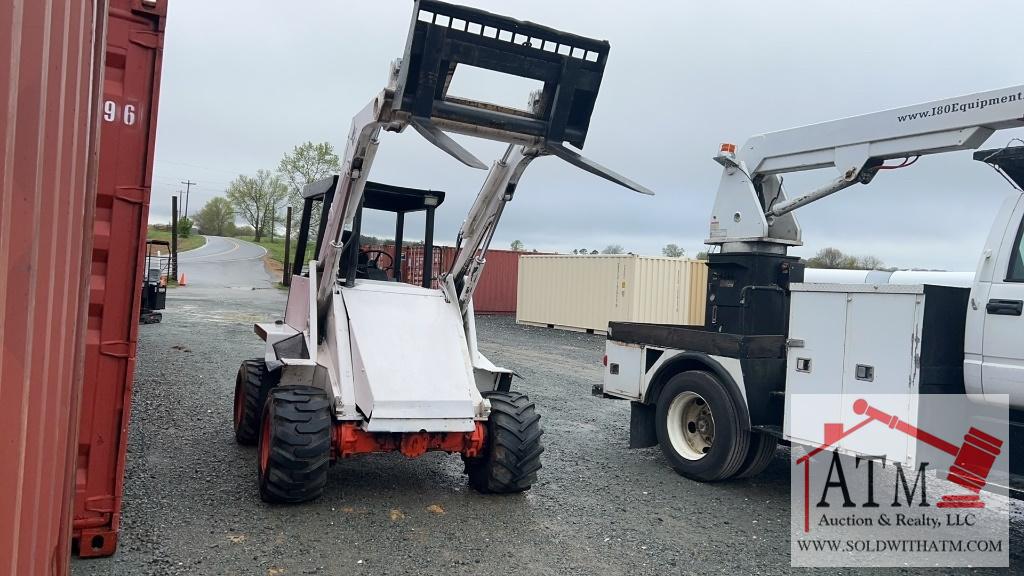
511, 457
295, 444
251, 386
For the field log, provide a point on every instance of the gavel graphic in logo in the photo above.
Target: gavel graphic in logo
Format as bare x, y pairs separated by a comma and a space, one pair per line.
972, 461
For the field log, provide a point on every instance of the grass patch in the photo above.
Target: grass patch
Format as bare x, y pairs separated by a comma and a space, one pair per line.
191, 243
275, 248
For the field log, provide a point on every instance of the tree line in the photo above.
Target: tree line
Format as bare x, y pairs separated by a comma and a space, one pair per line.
261, 199
835, 258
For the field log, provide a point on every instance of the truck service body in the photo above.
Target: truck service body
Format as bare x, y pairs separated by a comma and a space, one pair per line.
715, 397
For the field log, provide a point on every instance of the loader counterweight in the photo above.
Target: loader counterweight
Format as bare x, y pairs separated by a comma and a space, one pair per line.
350, 440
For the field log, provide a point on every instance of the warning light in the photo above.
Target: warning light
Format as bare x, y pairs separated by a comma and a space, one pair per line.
728, 148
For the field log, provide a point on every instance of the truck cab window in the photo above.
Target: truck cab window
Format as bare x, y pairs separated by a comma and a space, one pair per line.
1016, 270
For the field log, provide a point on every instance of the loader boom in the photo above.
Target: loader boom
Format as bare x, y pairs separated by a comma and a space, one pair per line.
443, 36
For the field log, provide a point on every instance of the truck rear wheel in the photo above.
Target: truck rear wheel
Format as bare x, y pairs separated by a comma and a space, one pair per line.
760, 454
295, 444
699, 428
511, 458
251, 386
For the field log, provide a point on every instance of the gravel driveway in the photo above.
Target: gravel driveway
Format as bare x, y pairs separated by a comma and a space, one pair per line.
191, 505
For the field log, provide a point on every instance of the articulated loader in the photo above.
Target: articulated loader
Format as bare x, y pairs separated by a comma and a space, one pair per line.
364, 363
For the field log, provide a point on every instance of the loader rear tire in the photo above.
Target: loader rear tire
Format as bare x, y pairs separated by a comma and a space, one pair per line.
251, 386
511, 457
295, 444
759, 455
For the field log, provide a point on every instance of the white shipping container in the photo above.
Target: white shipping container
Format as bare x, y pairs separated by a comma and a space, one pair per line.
587, 292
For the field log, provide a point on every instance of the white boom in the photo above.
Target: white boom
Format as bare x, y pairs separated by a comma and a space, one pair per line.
751, 210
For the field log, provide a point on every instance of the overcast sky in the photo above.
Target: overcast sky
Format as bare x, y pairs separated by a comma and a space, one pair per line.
244, 81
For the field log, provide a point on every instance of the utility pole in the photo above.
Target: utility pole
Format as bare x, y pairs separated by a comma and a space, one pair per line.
286, 278
174, 237
188, 188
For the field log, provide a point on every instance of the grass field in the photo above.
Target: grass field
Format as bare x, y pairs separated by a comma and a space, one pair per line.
275, 248
192, 242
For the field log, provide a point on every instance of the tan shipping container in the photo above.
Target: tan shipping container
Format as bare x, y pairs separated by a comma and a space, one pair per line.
587, 292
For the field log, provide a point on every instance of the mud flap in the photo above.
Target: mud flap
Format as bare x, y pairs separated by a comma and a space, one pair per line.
642, 433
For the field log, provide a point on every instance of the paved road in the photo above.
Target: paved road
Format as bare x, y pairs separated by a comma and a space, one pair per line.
225, 263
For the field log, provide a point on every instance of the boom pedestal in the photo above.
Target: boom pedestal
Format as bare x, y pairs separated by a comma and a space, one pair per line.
748, 292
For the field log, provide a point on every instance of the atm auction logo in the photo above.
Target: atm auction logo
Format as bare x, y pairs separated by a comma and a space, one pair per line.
898, 480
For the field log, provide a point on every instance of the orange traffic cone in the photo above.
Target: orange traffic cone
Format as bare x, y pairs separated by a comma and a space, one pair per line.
181, 281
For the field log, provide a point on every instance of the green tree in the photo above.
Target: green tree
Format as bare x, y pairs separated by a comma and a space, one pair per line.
702, 255
828, 258
185, 226
870, 263
215, 217
835, 258
673, 251
257, 199
613, 249
518, 246
305, 164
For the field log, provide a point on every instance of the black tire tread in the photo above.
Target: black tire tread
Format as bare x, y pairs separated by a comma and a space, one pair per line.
759, 455
511, 459
300, 436
257, 382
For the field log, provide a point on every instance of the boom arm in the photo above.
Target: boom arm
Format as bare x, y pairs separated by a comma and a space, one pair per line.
752, 211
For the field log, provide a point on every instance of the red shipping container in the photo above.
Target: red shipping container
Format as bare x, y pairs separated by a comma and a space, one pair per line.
131, 87
496, 292
49, 95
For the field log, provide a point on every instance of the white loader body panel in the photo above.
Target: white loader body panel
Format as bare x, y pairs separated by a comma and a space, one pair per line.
411, 365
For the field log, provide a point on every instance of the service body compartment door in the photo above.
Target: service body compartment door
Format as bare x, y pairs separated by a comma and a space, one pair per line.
882, 344
814, 360
624, 372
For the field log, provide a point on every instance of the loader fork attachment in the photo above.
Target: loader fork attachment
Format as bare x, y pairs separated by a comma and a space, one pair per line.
443, 36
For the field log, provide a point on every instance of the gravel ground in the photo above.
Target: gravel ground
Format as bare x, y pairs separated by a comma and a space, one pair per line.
191, 505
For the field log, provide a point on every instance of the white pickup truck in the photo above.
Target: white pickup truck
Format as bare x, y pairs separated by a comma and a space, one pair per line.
714, 397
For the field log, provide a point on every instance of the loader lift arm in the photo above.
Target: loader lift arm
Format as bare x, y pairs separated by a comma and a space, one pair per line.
752, 212
443, 36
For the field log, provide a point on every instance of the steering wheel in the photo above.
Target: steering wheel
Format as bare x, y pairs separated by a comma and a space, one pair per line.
375, 260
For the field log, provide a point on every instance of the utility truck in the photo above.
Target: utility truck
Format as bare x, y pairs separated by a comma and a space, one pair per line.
364, 363
717, 397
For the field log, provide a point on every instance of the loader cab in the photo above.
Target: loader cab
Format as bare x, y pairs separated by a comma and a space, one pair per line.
383, 263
